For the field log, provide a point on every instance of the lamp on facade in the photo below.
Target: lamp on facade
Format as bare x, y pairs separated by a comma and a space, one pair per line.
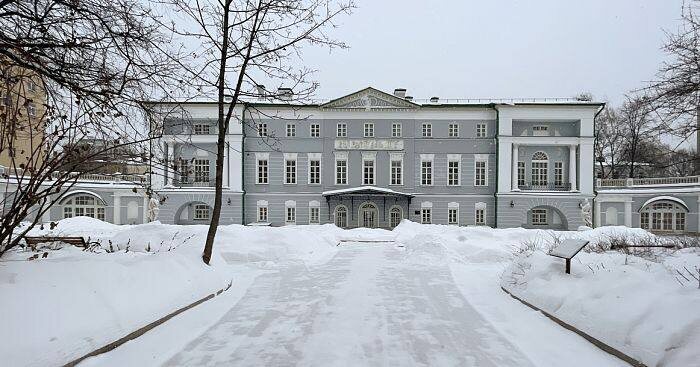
512, 204
228, 201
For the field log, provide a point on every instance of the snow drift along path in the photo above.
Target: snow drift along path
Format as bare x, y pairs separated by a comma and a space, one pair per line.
368, 306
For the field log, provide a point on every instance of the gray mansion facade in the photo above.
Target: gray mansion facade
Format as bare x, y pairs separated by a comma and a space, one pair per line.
371, 159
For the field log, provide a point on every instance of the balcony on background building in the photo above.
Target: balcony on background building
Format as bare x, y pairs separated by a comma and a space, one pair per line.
546, 187
192, 182
648, 181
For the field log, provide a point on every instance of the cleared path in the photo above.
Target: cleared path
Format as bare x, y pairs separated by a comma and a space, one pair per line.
368, 306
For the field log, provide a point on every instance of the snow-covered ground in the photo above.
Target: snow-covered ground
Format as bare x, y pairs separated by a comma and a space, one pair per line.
428, 295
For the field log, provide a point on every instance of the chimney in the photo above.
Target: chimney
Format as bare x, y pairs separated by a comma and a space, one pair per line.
261, 90
409, 98
434, 99
285, 94
400, 92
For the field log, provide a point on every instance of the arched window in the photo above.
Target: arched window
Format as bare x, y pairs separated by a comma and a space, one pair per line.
83, 205
395, 216
540, 163
341, 216
663, 215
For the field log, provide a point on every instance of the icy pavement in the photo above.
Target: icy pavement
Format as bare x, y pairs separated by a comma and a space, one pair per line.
367, 306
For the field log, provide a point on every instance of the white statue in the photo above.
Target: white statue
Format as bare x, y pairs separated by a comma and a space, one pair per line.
153, 209
586, 213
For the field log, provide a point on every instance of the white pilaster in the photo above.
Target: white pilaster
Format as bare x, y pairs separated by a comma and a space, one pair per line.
514, 171
145, 209
596, 224
586, 174
505, 154
628, 213
116, 212
572, 167
226, 163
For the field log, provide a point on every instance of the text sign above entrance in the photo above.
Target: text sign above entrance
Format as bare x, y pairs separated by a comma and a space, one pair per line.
369, 144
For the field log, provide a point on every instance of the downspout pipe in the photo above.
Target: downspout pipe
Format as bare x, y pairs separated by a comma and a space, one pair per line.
595, 189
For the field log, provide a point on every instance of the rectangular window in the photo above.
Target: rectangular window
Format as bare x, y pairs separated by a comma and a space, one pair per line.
452, 215
262, 129
31, 109
342, 130
521, 173
262, 214
426, 173
539, 217
369, 130
201, 129
368, 172
291, 130
184, 172
481, 130
201, 212
101, 213
539, 173
315, 130
644, 220
67, 212
290, 171
341, 172
453, 173
426, 216
479, 217
262, 171
453, 131
397, 172
291, 217
558, 174
314, 215
427, 130
314, 172
667, 221
201, 170
396, 130
480, 173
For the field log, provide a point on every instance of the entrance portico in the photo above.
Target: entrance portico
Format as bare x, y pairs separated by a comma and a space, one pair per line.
367, 206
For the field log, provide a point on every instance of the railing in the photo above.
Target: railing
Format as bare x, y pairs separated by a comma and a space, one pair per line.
546, 187
191, 182
651, 181
99, 177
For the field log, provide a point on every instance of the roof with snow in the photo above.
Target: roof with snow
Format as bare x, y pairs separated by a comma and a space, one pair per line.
365, 190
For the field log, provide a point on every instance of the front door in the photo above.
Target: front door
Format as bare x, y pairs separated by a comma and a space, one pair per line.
368, 215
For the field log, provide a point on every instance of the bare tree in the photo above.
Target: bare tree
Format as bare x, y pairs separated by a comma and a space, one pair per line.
609, 142
71, 71
245, 44
675, 94
639, 127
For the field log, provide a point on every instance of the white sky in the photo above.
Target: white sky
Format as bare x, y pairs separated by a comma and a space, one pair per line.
497, 48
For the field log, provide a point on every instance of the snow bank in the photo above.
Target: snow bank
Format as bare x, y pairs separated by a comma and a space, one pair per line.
636, 306
75, 301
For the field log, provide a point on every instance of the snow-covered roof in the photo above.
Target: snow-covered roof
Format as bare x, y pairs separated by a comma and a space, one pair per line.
351, 190
664, 197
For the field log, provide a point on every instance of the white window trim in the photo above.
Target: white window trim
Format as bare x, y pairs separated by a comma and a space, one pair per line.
293, 129
479, 206
426, 158
449, 129
482, 158
290, 157
314, 204
341, 156
365, 130
546, 217
262, 157
455, 158
287, 205
452, 205
314, 157
262, 204
345, 130
196, 209
424, 130
369, 157
260, 127
486, 130
400, 130
396, 157
311, 130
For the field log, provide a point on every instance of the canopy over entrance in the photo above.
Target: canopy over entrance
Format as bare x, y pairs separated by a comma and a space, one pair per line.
377, 197
365, 191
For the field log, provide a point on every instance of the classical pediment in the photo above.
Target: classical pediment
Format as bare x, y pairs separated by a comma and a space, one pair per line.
369, 99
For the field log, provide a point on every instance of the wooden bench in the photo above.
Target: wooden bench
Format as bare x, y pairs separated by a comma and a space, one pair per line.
567, 249
75, 241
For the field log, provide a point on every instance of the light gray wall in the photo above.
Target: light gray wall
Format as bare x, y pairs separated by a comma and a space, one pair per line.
519, 214
556, 128
179, 204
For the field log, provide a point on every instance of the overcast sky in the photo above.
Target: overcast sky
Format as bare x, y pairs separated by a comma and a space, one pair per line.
497, 48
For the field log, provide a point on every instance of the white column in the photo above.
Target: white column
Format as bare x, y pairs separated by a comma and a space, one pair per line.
116, 212
225, 172
145, 209
166, 163
572, 166
596, 224
505, 152
628, 213
514, 172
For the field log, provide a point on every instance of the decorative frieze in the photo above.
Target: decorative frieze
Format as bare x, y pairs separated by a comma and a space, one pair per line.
369, 144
